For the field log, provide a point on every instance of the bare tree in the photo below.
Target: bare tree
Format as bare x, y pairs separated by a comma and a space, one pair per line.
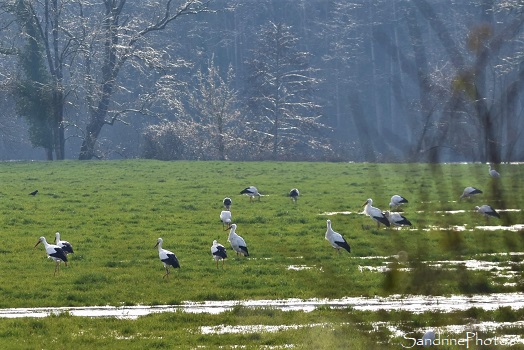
213, 102
285, 115
99, 45
343, 36
165, 141
120, 38
204, 118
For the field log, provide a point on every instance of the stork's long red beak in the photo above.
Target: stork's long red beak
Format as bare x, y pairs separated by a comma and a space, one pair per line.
37, 243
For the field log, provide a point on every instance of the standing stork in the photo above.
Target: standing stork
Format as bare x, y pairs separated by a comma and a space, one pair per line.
487, 211
336, 239
396, 219
470, 192
53, 252
225, 217
219, 252
227, 203
251, 191
167, 257
493, 173
237, 242
397, 201
65, 245
294, 194
376, 214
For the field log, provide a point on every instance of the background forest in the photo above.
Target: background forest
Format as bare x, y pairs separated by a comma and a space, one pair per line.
379, 81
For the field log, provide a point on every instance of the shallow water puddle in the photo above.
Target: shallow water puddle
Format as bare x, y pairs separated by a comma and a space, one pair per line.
513, 228
460, 211
330, 213
412, 303
501, 254
501, 269
228, 329
449, 211
477, 265
299, 267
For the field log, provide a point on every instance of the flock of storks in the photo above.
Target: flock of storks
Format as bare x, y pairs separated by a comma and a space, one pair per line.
59, 251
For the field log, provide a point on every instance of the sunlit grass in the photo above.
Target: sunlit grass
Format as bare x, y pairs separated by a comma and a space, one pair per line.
113, 212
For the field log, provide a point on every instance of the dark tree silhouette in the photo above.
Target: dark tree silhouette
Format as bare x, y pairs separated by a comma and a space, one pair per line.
40, 93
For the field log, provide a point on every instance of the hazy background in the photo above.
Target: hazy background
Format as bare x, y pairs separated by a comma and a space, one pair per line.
383, 80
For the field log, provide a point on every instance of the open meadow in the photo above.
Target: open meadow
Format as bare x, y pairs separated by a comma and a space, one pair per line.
112, 212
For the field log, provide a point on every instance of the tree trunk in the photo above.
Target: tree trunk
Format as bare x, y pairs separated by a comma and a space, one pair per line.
87, 150
49, 153
109, 71
58, 125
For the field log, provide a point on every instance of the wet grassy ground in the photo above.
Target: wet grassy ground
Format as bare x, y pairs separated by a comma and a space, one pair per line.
113, 212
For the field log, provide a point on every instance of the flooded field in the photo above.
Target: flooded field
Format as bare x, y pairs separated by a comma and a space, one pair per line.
505, 271
501, 272
471, 330
415, 304
410, 303
502, 269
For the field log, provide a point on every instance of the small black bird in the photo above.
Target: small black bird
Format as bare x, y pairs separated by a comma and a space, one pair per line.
34, 193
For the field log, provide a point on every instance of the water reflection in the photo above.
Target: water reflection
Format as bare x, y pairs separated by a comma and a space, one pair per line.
409, 303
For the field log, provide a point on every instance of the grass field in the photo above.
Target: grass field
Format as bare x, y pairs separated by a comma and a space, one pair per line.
113, 212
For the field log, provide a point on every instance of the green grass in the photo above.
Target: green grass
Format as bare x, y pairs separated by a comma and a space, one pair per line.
113, 212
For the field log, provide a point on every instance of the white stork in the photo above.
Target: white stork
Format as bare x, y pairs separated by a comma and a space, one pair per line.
251, 191
219, 252
53, 252
65, 245
336, 239
168, 258
487, 211
294, 193
225, 217
376, 214
396, 219
469, 192
397, 201
227, 203
493, 173
237, 243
